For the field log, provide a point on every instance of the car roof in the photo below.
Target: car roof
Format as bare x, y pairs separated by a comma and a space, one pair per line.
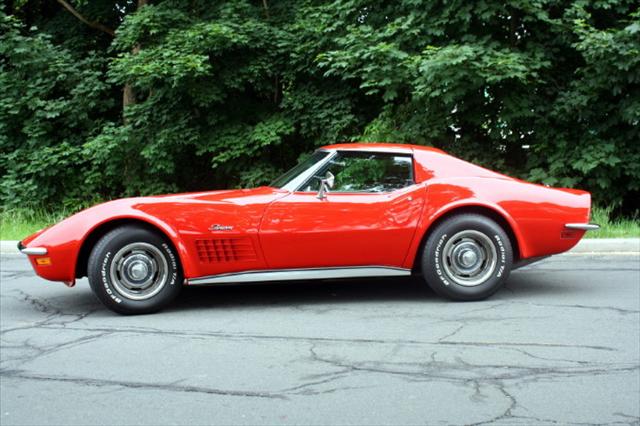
380, 147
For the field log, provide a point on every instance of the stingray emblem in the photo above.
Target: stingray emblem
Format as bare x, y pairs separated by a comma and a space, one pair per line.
217, 227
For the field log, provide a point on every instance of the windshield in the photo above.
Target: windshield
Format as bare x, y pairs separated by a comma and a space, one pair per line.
301, 167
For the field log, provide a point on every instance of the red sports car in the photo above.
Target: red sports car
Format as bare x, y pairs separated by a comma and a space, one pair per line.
348, 210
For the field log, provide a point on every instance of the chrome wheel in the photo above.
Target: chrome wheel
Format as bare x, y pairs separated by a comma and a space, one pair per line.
139, 271
469, 258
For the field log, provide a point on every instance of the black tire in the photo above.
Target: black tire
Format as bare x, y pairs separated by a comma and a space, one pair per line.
146, 276
452, 247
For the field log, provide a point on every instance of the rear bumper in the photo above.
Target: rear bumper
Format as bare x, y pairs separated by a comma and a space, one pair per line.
582, 226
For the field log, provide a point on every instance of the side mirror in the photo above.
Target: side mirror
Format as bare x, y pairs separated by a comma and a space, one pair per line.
325, 185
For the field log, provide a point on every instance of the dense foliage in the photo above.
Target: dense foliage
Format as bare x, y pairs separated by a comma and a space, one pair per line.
220, 94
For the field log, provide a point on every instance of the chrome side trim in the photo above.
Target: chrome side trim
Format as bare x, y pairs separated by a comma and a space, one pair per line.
36, 251
582, 226
302, 274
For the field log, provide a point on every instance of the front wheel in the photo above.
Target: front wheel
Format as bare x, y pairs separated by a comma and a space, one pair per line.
467, 257
133, 270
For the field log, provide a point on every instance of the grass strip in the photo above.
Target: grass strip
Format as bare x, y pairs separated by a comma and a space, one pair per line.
18, 224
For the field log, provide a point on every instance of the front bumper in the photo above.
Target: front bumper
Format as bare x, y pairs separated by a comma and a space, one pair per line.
582, 226
44, 269
36, 251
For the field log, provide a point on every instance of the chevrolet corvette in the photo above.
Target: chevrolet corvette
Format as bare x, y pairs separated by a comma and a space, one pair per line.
348, 210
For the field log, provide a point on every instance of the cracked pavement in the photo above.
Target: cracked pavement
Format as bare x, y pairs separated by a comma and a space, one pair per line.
560, 344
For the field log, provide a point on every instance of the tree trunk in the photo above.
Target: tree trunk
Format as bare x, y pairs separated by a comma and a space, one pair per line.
128, 97
128, 93
92, 24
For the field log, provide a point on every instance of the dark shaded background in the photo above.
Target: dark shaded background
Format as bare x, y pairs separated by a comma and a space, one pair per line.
102, 99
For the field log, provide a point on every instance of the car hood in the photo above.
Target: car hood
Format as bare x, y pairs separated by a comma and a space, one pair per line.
227, 196
161, 209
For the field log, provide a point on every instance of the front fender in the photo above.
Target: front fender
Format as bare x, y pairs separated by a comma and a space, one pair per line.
64, 240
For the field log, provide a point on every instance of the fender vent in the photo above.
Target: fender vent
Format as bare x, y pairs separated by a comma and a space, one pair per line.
226, 250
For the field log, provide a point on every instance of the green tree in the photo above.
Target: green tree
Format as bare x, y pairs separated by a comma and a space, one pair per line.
103, 99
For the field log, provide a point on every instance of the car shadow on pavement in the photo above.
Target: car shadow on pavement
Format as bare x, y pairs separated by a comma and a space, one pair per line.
278, 294
531, 283
521, 285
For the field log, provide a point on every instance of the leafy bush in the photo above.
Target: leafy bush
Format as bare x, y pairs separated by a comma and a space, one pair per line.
51, 103
231, 93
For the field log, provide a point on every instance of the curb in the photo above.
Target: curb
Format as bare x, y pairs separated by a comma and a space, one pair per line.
607, 245
588, 245
9, 247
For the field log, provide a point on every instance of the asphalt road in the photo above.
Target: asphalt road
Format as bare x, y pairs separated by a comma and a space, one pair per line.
560, 344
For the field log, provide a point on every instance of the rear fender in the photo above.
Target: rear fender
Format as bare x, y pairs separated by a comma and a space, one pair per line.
444, 200
536, 214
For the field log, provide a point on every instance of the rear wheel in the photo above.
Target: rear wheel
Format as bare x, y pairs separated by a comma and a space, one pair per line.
467, 257
133, 270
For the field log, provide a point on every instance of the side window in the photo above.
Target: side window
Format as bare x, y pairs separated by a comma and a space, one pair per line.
365, 172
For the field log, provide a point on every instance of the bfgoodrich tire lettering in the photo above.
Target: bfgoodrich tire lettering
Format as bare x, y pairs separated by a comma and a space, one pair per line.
133, 270
467, 257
